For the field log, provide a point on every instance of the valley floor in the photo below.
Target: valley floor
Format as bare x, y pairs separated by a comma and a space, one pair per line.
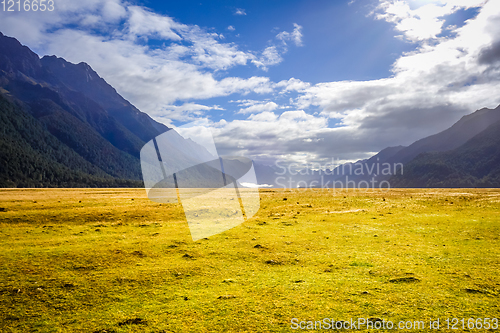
110, 260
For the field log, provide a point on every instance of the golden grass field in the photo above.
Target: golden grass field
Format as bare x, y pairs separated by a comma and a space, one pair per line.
110, 260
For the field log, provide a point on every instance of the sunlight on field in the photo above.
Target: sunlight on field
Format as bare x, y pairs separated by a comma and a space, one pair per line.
110, 260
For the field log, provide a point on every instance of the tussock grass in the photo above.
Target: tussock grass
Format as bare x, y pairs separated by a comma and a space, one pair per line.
111, 260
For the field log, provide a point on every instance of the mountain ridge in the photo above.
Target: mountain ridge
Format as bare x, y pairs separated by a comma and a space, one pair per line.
75, 110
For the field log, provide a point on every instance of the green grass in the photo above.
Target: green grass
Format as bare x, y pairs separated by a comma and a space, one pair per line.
117, 262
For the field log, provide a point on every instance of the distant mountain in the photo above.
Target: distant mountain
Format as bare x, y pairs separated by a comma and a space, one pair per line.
84, 79
463, 155
476, 163
362, 173
30, 156
455, 136
63, 125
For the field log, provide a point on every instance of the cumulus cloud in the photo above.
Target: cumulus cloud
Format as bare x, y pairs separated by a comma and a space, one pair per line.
430, 88
266, 136
490, 54
423, 22
153, 78
292, 84
259, 107
185, 112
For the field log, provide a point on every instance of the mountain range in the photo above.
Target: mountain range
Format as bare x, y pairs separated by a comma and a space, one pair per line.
464, 155
62, 125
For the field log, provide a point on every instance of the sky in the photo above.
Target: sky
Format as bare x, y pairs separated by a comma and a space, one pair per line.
304, 81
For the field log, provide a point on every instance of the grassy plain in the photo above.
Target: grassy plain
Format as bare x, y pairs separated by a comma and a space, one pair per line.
110, 260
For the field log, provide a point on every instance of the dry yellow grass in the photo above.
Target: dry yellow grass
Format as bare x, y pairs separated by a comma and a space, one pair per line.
97, 260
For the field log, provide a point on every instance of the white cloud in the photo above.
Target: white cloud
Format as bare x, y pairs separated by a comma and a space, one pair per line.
272, 55
295, 36
183, 68
266, 136
429, 89
260, 107
292, 84
185, 112
423, 22
146, 24
240, 11
231, 28
263, 116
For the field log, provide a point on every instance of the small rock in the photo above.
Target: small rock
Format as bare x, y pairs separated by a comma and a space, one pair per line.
258, 246
473, 291
134, 321
187, 256
285, 199
272, 262
404, 279
374, 319
138, 253
226, 297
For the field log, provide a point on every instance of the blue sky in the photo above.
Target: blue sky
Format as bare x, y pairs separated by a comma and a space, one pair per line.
294, 80
340, 42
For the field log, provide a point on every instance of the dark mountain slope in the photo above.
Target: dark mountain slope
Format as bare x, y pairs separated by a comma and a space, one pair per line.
84, 79
95, 143
389, 160
42, 83
65, 126
16, 57
462, 131
474, 164
32, 157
